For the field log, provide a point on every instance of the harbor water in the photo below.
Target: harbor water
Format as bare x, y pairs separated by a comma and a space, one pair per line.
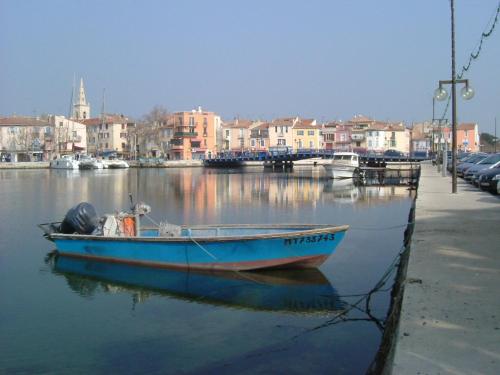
67, 316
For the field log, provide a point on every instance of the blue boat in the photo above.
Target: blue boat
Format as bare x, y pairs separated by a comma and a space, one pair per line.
120, 238
289, 291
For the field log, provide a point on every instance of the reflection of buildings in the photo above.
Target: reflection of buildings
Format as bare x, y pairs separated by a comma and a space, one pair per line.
206, 193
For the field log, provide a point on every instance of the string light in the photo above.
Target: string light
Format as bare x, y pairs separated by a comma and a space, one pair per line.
474, 56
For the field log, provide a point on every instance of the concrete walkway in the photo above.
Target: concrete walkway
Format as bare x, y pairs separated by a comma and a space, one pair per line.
450, 316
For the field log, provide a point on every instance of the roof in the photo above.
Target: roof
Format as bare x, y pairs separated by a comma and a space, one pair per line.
360, 119
22, 121
108, 119
238, 123
285, 121
301, 125
466, 126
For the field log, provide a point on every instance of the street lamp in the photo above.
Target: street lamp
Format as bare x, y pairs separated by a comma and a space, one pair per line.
441, 94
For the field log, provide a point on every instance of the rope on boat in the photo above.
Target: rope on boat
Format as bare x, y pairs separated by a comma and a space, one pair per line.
189, 236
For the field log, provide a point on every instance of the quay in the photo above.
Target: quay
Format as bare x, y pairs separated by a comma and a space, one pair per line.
450, 314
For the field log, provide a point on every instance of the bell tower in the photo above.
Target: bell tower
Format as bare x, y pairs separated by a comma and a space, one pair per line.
81, 108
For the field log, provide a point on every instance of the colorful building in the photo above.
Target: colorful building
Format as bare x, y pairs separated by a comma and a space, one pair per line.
194, 135
305, 135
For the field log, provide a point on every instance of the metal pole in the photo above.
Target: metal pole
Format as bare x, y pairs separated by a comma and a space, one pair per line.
453, 103
495, 134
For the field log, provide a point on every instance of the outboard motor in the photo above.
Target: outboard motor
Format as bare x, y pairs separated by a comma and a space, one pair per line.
81, 219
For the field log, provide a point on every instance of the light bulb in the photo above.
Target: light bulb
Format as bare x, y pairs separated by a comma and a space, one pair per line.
440, 94
467, 92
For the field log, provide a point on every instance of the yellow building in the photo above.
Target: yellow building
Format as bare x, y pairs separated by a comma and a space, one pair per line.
305, 135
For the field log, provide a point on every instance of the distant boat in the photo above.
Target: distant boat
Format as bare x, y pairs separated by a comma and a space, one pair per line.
115, 163
65, 162
288, 291
343, 165
119, 238
87, 162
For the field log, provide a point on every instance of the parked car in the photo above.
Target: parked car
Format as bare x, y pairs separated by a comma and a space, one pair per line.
461, 157
489, 179
487, 163
473, 159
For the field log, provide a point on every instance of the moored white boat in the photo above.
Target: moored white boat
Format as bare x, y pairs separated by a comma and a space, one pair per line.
87, 162
115, 163
65, 162
343, 165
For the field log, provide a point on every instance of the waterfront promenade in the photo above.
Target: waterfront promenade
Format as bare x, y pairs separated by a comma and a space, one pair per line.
450, 315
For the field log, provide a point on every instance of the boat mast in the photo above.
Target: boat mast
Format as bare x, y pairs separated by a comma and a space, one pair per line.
99, 144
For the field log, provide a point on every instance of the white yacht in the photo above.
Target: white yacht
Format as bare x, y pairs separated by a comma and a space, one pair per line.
343, 165
88, 162
114, 163
65, 162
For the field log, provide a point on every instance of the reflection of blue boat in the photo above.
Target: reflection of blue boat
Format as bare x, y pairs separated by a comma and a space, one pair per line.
119, 238
299, 291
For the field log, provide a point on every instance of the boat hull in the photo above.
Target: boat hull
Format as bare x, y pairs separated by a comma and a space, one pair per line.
340, 171
292, 249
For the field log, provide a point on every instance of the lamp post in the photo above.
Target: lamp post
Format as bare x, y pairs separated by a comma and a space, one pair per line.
441, 94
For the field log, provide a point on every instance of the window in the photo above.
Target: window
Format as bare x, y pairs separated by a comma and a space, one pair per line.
262, 143
191, 121
123, 146
286, 129
300, 132
123, 126
227, 133
281, 142
275, 129
310, 132
106, 145
205, 142
241, 133
205, 121
252, 142
180, 121
242, 143
123, 135
311, 144
100, 126
74, 134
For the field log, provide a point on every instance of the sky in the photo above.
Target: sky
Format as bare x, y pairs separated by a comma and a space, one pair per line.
258, 59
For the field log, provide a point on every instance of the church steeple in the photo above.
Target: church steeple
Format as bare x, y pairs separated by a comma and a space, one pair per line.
81, 108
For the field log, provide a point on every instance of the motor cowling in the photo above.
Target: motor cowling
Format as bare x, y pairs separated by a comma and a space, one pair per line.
81, 219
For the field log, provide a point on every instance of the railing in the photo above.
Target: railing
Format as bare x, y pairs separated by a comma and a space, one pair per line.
185, 134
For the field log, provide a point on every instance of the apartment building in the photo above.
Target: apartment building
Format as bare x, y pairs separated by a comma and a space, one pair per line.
280, 132
306, 135
108, 133
194, 134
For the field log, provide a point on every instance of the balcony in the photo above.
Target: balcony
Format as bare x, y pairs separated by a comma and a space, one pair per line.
185, 134
357, 137
176, 142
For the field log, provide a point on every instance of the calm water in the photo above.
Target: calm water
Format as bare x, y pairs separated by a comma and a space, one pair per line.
68, 317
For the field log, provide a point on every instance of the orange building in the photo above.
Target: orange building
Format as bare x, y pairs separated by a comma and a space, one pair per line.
468, 137
194, 134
